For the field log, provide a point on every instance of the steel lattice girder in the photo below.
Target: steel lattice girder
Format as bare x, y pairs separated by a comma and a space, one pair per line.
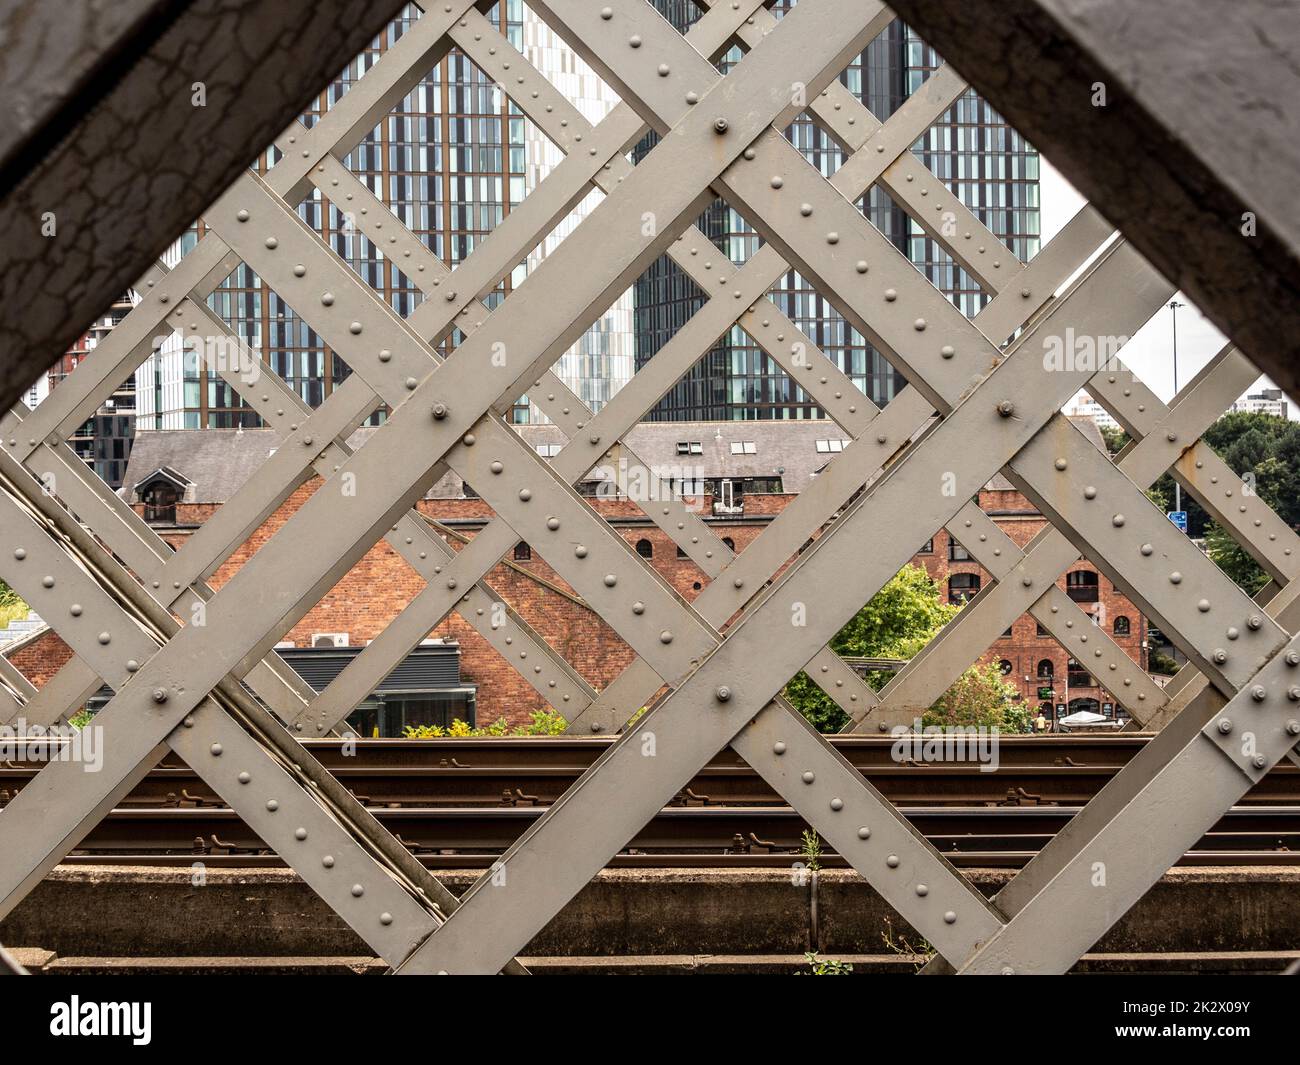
257, 66
180, 686
1191, 147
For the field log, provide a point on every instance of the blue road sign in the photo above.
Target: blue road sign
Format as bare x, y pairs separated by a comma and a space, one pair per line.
1179, 518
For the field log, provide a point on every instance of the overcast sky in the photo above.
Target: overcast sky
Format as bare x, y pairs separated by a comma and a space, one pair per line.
1150, 352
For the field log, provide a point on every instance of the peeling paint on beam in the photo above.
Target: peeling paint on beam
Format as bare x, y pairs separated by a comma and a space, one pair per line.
141, 162
1198, 129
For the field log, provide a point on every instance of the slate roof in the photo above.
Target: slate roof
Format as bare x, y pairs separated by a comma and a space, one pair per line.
217, 462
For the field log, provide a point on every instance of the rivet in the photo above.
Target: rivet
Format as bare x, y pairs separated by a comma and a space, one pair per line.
610, 580
410, 383
19, 554
1203, 606
1061, 464
665, 637
1175, 578
950, 918
892, 861
947, 351
244, 778
271, 242
328, 861
579, 551
1146, 549
104, 637
354, 328
919, 325
891, 295
778, 748
47, 581
496, 467
552, 523
272, 805
638, 608
1090, 492
242, 215
922, 890
837, 804
1118, 521
663, 70
864, 832
385, 918
300, 834
861, 266
299, 270
357, 891
808, 776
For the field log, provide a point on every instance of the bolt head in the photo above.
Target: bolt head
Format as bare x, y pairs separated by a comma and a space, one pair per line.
160, 695
1006, 408
720, 125
723, 694
439, 411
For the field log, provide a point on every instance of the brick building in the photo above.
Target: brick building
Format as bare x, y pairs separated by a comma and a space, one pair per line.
743, 474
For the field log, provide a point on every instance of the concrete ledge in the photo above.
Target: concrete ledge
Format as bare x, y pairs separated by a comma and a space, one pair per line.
143, 912
1184, 963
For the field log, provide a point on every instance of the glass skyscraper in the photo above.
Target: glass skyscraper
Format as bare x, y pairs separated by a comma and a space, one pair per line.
971, 148
451, 160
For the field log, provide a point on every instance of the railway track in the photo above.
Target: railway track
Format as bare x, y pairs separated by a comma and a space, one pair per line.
460, 803
535, 771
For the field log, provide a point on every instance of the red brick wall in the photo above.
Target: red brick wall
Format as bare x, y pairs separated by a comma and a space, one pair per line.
381, 584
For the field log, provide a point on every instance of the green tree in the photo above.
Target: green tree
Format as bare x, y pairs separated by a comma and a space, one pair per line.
898, 621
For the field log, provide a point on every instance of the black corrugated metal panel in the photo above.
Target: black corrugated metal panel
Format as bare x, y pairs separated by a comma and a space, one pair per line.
428, 668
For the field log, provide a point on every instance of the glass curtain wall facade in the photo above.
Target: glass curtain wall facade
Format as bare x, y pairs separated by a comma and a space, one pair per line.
986, 163
449, 160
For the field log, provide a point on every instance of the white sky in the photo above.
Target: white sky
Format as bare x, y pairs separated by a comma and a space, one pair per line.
1149, 353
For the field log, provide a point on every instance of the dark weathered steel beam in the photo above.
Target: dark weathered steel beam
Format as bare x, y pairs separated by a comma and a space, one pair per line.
1193, 153
110, 152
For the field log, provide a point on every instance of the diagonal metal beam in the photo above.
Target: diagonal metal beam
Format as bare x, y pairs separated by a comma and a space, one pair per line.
141, 58
1194, 103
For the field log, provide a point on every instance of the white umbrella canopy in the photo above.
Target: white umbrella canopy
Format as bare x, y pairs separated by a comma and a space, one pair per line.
1083, 717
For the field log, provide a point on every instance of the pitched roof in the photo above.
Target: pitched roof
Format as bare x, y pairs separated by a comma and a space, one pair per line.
217, 462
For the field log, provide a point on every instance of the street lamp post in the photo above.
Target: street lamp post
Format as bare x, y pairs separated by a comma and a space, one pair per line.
1173, 308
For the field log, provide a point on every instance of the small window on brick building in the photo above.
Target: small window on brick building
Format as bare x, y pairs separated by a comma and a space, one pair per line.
731, 544
1040, 631
1004, 667
523, 553
1081, 585
927, 548
957, 553
1046, 669
681, 553
962, 586
1008, 634
645, 549
160, 502
1121, 626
